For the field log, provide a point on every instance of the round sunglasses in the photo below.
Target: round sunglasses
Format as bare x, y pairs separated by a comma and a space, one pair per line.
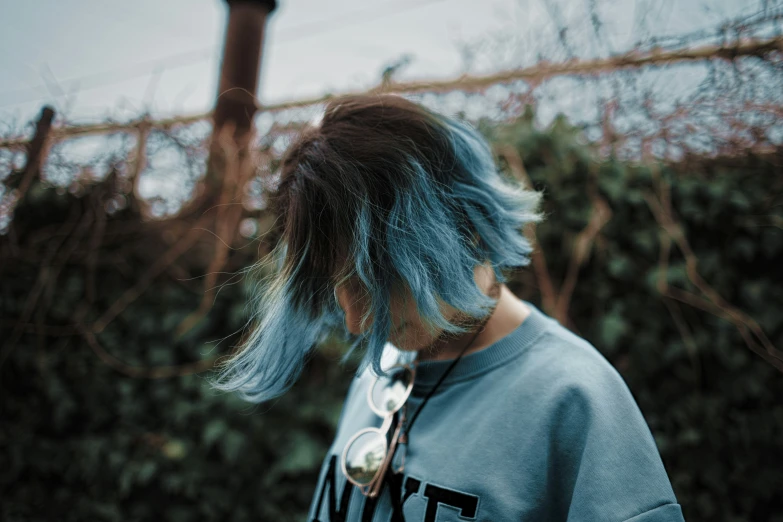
367, 455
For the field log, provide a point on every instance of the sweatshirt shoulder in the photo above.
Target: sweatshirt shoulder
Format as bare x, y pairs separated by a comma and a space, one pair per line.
561, 361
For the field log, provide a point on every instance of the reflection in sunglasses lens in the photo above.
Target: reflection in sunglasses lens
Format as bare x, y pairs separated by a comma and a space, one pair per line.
388, 394
365, 456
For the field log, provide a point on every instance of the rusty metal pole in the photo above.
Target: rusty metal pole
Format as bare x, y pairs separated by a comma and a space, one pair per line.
230, 164
36, 150
241, 62
236, 97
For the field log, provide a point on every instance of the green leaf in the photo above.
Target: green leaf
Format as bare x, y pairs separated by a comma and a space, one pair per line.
612, 328
231, 445
146, 471
213, 431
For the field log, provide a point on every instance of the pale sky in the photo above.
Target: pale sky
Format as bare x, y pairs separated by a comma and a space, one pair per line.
95, 60
98, 58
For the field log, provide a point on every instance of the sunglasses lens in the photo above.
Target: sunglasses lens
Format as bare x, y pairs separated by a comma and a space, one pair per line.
364, 457
390, 393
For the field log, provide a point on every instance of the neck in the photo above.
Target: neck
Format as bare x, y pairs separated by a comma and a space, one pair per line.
509, 313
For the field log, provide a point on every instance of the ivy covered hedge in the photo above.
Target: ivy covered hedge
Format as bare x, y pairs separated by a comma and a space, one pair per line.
80, 440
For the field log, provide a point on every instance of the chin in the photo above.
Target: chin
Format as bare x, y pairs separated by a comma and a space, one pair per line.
405, 348
409, 340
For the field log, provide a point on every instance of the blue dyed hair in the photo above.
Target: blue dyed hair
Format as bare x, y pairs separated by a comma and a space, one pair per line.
392, 194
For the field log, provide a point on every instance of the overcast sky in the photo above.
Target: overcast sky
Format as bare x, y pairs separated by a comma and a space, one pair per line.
98, 58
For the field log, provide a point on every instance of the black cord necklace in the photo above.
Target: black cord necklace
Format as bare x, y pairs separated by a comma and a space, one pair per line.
403, 437
406, 430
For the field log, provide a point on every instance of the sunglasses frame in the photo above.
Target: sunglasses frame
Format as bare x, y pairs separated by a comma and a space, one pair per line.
372, 488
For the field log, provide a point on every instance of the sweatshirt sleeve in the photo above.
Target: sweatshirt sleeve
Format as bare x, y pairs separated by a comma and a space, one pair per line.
604, 456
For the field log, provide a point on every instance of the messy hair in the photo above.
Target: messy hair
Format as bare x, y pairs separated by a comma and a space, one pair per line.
393, 194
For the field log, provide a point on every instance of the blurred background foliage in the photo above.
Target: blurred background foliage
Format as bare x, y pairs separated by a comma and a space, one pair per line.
120, 425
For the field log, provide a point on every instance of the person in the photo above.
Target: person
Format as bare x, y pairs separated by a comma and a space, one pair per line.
397, 230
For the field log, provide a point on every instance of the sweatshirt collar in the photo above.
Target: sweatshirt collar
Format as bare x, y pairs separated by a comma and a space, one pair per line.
484, 360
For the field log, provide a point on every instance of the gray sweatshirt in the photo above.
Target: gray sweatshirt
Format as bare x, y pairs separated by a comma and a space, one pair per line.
539, 426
